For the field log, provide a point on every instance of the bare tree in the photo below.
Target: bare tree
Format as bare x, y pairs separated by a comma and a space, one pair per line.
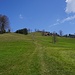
54, 37
4, 23
9, 30
28, 30
43, 32
60, 33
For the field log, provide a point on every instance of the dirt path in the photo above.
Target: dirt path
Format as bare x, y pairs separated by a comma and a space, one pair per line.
43, 66
39, 51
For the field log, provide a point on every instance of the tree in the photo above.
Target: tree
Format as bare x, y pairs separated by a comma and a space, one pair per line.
25, 31
9, 30
29, 30
54, 37
22, 31
4, 23
43, 32
60, 33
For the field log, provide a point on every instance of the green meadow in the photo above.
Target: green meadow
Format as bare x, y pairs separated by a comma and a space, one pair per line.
34, 54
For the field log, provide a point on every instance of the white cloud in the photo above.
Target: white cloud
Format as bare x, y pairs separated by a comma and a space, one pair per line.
70, 6
55, 24
58, 20
20, 16
68, 19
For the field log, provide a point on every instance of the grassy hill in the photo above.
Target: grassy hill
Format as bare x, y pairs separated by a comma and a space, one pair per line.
34, 54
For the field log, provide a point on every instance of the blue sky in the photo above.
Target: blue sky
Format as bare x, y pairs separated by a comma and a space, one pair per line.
50, 15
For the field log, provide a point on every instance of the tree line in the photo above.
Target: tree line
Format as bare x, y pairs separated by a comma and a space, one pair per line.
22, 31
5, 26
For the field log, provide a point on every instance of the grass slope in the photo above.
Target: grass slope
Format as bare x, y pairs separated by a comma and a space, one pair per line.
36, 55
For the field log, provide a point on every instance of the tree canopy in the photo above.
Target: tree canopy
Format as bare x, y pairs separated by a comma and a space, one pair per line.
4, 23
22, 31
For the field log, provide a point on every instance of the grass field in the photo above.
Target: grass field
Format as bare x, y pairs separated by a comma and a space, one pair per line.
36, 55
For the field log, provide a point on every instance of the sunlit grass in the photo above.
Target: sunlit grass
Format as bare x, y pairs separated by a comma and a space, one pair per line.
34, 54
